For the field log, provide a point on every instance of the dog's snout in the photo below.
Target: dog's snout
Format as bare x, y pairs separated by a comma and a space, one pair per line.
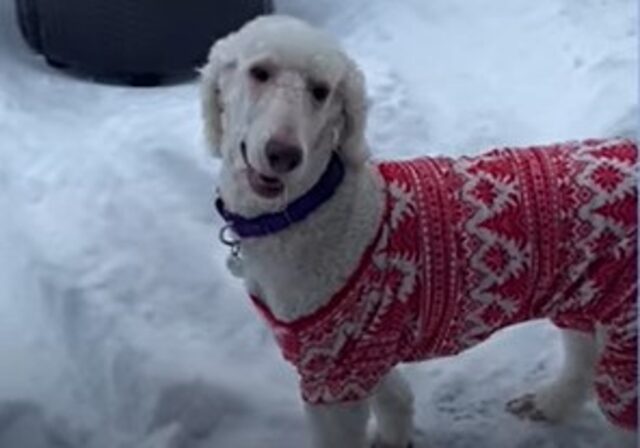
283, 157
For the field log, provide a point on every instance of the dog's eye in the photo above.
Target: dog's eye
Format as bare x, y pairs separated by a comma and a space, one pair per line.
260, 73
320, 92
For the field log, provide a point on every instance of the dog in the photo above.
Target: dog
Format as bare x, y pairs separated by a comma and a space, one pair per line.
357, 266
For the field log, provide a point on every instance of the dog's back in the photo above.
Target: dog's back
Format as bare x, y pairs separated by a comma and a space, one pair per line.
535, 232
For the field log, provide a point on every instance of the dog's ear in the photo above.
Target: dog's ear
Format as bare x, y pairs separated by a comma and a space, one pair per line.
351, 88
220, 63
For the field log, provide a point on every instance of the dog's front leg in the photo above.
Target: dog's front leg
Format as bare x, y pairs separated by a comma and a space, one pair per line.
392, 406
342, 425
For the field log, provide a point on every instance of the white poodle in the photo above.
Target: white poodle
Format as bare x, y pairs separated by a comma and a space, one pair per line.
358, 266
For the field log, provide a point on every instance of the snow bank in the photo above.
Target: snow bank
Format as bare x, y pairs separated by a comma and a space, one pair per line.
119, 325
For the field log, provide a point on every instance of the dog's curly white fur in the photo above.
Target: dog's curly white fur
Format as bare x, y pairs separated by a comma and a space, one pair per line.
242, 112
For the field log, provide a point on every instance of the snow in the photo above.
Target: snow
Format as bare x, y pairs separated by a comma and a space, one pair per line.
119, 324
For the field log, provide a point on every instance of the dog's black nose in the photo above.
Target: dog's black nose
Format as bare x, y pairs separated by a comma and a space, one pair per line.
283, 157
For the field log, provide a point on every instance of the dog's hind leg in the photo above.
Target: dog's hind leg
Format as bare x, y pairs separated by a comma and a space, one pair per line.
559, 399
392, 406
616, 380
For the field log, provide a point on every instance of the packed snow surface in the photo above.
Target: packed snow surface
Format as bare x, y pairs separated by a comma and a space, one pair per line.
120, 326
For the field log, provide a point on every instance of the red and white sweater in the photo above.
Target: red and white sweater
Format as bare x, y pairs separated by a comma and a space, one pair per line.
471, 245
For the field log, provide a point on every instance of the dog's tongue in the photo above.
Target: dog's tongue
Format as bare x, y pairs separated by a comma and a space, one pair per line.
265, 186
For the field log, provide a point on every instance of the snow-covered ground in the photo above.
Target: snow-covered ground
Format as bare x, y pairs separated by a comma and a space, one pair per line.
119, 325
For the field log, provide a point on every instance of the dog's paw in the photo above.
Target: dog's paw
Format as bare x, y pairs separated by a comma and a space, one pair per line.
553, 403
526, 408
386, 445
379, 443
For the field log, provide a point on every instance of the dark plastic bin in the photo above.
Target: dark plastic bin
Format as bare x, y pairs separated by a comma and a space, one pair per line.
138, 42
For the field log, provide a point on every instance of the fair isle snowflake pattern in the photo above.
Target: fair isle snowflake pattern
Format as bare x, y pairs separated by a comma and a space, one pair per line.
472, 245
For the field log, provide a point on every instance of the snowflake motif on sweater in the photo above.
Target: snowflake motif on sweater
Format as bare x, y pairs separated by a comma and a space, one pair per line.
471, 245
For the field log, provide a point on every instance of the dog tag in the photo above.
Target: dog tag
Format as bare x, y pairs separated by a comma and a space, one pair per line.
234, 264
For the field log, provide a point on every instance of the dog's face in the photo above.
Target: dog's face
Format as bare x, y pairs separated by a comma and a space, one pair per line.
278, 98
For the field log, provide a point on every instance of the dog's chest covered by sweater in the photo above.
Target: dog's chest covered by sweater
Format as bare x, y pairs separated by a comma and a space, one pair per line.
467, 247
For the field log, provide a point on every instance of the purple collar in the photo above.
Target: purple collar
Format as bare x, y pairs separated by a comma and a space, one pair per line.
296, 211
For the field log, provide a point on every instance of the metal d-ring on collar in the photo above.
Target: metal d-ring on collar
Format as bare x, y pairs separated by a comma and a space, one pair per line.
228, 238
234, 259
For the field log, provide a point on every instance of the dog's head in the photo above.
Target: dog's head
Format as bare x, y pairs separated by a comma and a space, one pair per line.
278, 97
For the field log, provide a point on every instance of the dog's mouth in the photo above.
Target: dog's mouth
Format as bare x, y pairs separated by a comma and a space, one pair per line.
264, 186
